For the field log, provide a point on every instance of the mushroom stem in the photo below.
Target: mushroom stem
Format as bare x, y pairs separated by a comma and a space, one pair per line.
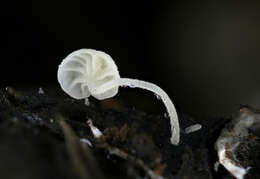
134, 83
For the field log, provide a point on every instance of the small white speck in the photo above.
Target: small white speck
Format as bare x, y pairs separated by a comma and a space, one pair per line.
37, 118
216, 165
87, 103
95, 131
86, 141
40, 91
157, 96
51, 120
166, 115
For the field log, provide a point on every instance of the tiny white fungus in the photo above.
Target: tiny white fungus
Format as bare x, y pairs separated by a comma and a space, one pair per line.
88, 72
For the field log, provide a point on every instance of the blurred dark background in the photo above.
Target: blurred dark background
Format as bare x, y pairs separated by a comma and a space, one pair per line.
205, 54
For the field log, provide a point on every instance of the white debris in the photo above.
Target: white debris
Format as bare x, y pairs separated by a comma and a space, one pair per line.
229, 164
51, 120
216, 165
230, 138
95, 131
40, 91
87, 103
86, 141
192, 128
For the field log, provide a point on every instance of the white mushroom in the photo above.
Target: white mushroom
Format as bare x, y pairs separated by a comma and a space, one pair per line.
88, 72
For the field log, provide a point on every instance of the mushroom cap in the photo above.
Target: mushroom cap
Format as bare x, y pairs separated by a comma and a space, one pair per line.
84, 70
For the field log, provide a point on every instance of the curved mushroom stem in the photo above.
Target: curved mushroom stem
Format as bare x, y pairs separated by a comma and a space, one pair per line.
133, 83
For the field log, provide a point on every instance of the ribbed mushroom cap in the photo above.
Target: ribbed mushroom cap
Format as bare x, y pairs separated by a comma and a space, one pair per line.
84, 70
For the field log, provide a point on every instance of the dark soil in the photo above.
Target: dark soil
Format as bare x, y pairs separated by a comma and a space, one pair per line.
40, 139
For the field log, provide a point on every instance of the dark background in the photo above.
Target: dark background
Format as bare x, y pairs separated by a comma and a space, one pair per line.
205, 54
